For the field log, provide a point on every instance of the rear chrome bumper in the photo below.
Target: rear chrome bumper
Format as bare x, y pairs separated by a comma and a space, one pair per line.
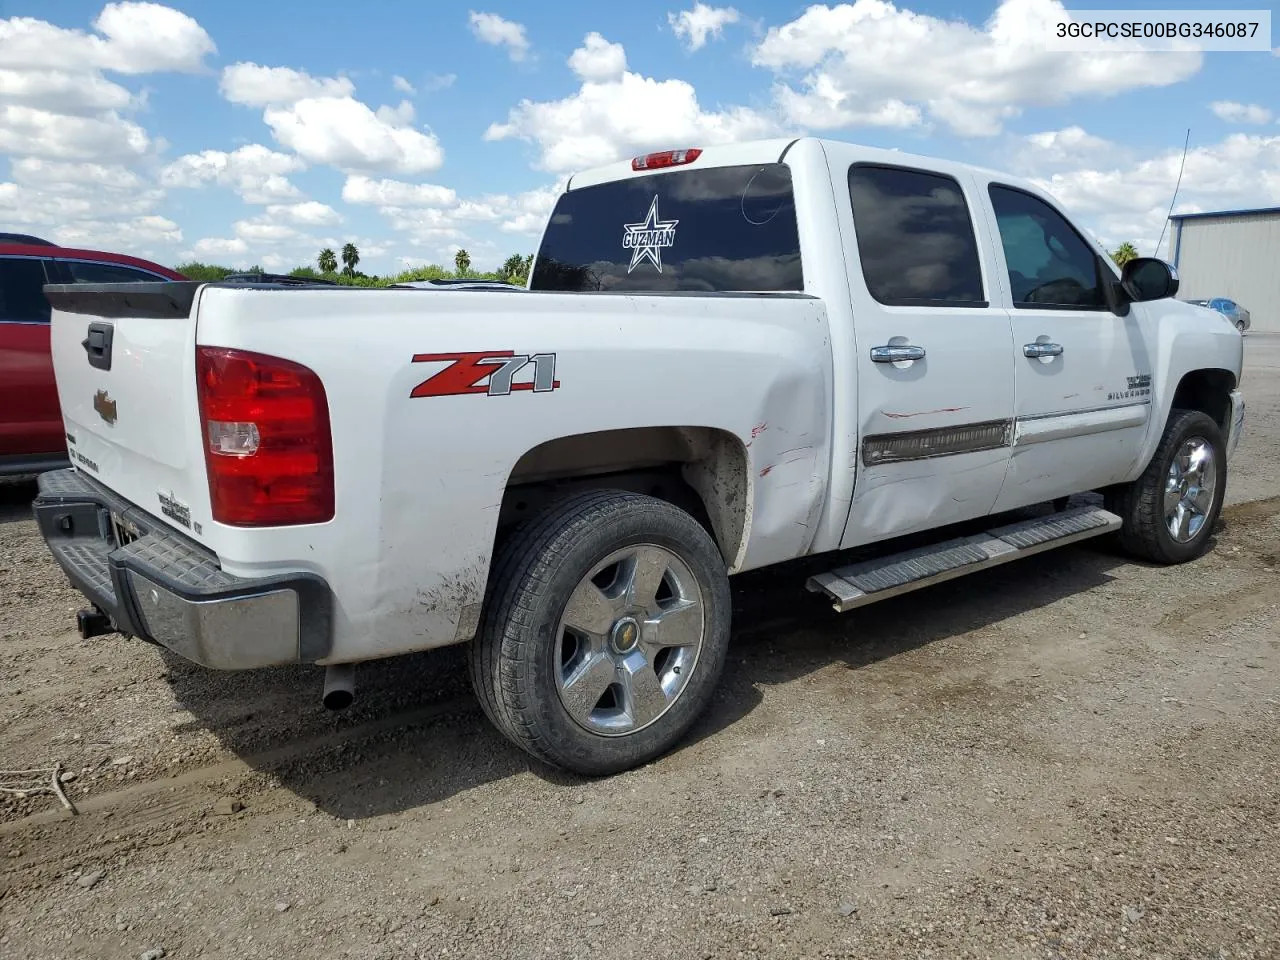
169, 590
1236, 422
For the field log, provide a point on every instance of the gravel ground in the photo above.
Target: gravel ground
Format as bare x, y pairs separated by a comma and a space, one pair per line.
1072, 756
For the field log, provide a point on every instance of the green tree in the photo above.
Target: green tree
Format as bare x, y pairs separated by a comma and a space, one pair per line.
350, 257
462, 261
1124, 253
208, 272
513, 268
328, 261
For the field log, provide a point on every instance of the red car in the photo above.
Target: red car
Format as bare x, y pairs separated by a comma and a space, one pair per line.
31, 437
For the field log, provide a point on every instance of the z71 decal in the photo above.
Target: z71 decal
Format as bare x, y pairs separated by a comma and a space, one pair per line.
467, 371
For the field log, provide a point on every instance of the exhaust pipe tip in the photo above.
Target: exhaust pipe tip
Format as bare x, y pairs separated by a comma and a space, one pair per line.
339, 686
338, 699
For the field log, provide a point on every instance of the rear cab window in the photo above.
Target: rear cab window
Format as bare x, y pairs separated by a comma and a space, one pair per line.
719, 229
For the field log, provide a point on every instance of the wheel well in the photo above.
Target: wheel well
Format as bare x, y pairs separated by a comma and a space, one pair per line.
1208, 391
699, 469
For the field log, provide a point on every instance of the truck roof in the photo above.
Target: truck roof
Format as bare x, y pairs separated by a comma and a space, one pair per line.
772, 150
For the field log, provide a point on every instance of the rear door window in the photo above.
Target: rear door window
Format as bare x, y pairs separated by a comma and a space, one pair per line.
717, 229
916, 240
84, 271
22, 299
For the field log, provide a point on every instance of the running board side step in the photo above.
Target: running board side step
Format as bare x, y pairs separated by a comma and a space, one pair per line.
862, 583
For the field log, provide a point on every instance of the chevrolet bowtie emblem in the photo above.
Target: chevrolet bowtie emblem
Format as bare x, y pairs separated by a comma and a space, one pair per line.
105, 406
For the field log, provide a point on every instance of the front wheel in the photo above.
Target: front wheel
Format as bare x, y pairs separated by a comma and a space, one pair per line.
1169, 512
607, 630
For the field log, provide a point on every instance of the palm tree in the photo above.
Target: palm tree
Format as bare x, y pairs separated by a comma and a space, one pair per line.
328, 261
513, 267
1124, 253
462, 260
350, 257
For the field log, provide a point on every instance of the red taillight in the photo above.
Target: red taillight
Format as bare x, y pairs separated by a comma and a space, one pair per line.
667, 158
266, 439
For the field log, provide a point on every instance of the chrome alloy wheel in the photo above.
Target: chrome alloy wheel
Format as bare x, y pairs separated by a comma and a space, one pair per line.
629, 640
1189, 489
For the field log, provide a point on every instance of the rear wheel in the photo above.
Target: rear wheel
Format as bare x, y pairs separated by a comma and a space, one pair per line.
1169, 512
606, 633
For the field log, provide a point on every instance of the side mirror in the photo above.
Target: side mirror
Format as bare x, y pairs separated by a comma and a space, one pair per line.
1147, 278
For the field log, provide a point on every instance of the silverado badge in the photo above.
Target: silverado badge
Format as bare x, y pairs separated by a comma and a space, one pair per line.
105, 406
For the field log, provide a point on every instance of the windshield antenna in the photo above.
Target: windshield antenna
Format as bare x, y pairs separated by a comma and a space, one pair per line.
1181, 167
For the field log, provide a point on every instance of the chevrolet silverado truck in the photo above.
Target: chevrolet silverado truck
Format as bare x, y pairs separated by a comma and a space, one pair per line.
725, 359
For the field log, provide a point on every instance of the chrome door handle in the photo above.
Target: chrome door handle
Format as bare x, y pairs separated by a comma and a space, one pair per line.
896, 354
1042, 349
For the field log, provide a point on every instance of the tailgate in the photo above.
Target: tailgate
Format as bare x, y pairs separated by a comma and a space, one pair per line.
124, 361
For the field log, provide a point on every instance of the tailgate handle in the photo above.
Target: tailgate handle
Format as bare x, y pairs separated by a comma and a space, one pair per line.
98, 345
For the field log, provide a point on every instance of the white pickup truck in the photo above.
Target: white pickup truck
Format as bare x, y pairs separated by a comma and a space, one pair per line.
725, 359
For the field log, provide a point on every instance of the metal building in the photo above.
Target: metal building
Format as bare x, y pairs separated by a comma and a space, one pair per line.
1232, 253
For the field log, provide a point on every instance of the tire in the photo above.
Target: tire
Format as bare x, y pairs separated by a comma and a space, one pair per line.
591, 686
1143, 506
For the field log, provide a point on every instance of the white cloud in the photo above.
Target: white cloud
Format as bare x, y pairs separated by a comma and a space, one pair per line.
1129, 201
255, 172
310, 213
440, 81
430, 216
139, 235
61, 91
526, 213
64, 205
494, 30
85, 205
871, 61
695, 26
403, 85
151, 38
54, 98
631, 114
598, 60
263, 231
1069, 146
74, 151
319, 119
825, 106
395, 193
89, 176
1240, 112
218, 247
346, 134
136, 38
259, 86
399, 115
28, 131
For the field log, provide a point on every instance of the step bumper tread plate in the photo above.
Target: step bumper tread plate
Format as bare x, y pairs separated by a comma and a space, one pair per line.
871, 580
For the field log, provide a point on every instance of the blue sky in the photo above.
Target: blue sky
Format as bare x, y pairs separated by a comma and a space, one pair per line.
241, 133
